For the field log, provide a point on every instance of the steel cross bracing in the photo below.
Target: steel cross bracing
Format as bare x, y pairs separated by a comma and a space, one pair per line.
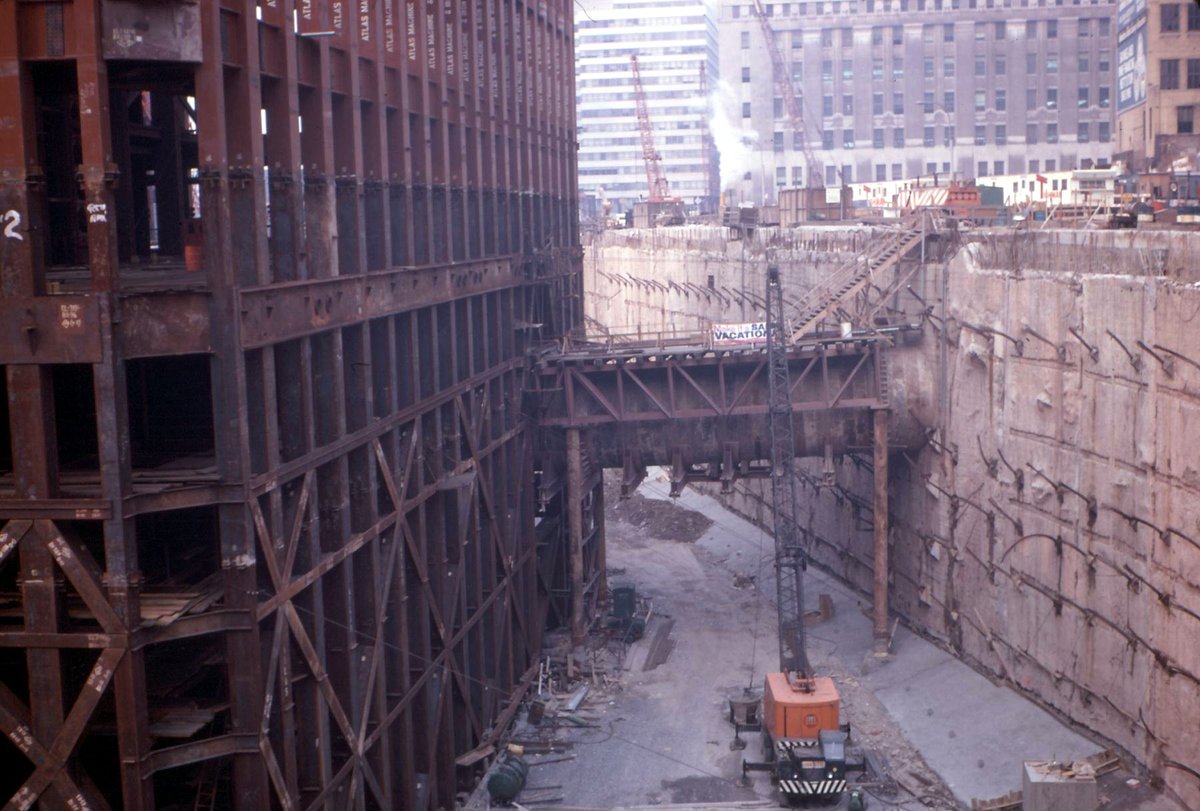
256, 549
790, 558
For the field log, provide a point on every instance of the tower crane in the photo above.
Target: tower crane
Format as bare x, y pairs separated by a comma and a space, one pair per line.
805, 745
791, 101
660, 191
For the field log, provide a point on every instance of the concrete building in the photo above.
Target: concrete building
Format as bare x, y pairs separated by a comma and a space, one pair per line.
1158, 80
896, 88
674, 40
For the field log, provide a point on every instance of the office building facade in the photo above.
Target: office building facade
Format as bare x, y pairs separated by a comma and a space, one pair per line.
896, 89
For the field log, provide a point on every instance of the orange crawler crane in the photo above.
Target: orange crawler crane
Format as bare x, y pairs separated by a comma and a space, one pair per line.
805, 745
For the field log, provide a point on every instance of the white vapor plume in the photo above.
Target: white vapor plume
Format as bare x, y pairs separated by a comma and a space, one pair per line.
735, 144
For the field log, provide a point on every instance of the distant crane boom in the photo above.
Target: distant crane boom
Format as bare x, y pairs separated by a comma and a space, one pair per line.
659, 190
791, 100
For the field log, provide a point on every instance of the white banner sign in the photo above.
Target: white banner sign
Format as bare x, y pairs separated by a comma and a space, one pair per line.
739, 333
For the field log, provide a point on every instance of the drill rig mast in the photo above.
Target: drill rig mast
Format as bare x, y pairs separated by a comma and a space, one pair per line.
660, 191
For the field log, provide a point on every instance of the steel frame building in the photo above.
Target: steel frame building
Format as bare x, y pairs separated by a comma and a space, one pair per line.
269, 275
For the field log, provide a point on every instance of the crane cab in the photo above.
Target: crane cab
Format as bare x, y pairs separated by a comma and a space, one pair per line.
800, 707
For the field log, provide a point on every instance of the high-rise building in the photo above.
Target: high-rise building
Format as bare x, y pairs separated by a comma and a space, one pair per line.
675, 42
1158, 82
895, 89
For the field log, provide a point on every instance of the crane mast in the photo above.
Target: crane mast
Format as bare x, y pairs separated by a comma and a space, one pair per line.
789, 556
659, 190
791, 101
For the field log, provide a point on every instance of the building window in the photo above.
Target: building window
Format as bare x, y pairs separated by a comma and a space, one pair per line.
745, 75
745, 39
1168, 74
948, 67
1083, 63
1193, 16
1052, 64
1084, 134
1105, 63
1083, 97
1051, 98
827, 139
998, 167
897, 172
1031, 64
1034, 165
1031, 134
781, 176
831, 176
745, 109
1193, 74
927, 103
797, 140
827, 105
1169, 17
877, 104
980, 66
1050, 164
980, 100
897, 35
927, 32
827, 70
847, 104
826, 37
950, 137
980, 135
1001, 30
880, 172
1085, 28
847, 69
777, 107
927, 66
1031, 29
1051, 138
777, 142
847, 37
877, 138
1001, 135
1104, 97
898, 69
1185, 119
1001, 66
1051, 29
1105, 134
797, 40
877, 69
948, 32
877, 35
898, 137
898, 103
928, 140
1001, 100
1031, 101
948, 101
930, 167
848, 139
980, 31
797, 71
1103, 26
981, 169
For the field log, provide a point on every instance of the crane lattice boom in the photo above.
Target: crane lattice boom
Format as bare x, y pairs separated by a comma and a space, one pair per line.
789, 555
659, 190
791, 100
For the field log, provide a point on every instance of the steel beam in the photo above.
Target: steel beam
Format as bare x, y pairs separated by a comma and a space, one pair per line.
879, 612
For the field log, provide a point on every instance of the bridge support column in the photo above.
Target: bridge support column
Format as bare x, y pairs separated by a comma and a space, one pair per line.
881, 533
575, 533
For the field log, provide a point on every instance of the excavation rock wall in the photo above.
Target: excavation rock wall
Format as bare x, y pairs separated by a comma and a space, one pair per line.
1050, 531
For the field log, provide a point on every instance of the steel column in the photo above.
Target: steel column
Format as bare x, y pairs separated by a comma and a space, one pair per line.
880, 611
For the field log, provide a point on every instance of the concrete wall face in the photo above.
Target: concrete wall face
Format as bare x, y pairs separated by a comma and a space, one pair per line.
1051, 534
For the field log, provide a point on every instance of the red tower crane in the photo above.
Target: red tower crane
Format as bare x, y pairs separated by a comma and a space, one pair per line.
791, 100
659, 190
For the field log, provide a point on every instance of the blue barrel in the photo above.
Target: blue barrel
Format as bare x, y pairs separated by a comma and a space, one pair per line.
508, 779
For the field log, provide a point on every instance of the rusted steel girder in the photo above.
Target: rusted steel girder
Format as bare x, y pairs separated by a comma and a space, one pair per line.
710, 407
